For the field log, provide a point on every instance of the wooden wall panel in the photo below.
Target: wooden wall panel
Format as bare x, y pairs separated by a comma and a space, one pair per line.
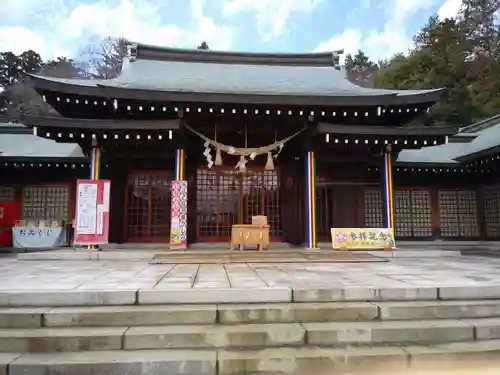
412, 208
491, 201
46, 202
373, 208
458, 213
413, 213
7, 193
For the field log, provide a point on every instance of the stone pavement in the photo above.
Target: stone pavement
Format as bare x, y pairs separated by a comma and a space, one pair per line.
118, 275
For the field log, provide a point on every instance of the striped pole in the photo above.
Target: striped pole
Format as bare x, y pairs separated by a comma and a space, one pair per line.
95, 163
95, 172
311, 200
388, 191
180, 173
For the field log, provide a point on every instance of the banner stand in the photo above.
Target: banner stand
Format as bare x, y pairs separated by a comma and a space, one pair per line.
92, 213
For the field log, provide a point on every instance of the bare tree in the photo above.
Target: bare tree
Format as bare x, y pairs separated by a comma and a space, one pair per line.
62, 67
104, 59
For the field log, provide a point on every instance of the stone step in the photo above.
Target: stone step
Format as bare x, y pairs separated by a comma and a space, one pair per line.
45, 340
172, 294
152, 315
357, 311
418, 310
279, 361
336, 334
390, 332
129, 315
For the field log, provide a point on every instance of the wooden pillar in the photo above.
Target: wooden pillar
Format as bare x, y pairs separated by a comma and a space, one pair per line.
117, 172
191, 170
311, 219
292, 199
388, 190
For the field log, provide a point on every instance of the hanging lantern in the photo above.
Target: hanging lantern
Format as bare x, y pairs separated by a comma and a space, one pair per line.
218, 157
269, 163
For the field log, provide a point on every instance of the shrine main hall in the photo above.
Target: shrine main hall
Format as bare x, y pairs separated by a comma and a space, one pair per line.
287, 136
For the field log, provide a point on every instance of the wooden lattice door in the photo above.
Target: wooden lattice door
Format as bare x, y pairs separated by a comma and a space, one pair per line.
226, 197
147, 215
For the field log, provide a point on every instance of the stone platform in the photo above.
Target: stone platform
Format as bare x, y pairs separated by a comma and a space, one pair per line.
221, 255
137, 318
271, 256
122, 275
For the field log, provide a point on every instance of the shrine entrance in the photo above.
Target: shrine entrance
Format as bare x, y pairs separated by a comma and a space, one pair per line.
147, 206
226, 197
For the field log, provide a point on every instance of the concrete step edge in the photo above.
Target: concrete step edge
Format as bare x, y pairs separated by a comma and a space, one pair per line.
245, 335
210, 362
159, 315
43, 298
344, 324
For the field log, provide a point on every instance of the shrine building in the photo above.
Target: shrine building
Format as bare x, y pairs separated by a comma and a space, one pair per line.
281, 135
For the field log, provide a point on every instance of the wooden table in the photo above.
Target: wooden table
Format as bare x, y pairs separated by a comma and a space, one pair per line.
250, 234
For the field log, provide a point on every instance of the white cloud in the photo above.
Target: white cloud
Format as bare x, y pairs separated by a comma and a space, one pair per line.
66, 26
205, 29
392, 38
19, 39
271, 16
350, 41
449, 9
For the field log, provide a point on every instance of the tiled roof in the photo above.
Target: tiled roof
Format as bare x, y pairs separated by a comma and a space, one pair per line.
31, 146
487, 138
159, 69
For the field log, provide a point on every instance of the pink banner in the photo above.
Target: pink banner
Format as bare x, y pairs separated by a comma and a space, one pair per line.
92, 212
178, 222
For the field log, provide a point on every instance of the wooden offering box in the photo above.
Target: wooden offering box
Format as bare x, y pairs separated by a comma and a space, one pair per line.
250, 234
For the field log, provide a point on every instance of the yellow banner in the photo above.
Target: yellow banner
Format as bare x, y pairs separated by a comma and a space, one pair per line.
363, 238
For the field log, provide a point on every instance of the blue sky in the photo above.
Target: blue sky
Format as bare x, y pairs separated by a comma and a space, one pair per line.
64, 27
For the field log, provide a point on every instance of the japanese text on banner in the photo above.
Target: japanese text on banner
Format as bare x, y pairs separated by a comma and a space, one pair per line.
363, 238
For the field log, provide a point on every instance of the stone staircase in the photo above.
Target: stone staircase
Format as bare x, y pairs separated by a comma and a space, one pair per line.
348, 330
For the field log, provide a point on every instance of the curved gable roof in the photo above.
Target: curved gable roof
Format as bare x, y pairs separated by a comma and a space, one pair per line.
310, 77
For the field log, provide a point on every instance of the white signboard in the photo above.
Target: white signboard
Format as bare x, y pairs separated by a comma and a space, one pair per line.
87, 209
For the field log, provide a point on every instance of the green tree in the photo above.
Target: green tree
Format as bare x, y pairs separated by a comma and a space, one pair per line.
13, 68
478, 19
439, 60
203, 46
360, 69
479, 25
